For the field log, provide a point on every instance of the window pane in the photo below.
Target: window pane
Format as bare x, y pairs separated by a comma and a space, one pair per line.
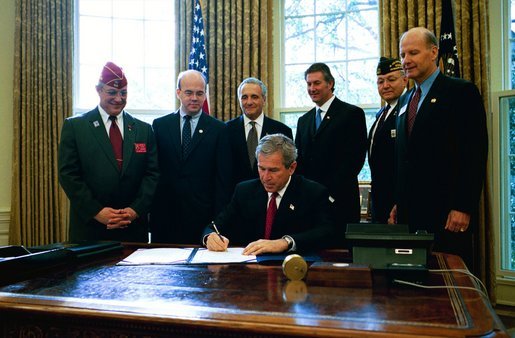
299, 7
138, 35
341, 33
331, 37
299, 42
295, 93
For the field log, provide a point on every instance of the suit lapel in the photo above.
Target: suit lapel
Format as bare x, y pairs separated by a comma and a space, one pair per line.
97, 127
201, 129
287, 206
329, 115
242, 146
427, 105
174, 128
129, 138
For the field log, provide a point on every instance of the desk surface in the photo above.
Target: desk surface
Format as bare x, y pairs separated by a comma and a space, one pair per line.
232, 300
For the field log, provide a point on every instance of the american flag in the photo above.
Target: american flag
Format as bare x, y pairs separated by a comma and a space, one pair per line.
198, 55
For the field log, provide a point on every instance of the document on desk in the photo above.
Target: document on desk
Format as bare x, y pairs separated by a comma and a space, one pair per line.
186, 256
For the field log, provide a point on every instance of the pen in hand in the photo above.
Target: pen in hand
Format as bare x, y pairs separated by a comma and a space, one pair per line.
213, 225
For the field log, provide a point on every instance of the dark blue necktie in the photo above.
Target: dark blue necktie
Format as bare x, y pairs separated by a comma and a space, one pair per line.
186, 135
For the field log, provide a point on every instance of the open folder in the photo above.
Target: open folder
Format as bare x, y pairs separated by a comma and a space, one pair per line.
186, 256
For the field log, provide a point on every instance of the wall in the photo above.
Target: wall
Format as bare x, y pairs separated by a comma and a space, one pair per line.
6, 111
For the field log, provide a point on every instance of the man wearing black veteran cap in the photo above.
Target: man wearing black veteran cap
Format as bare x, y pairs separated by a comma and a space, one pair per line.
108, 166
391, 83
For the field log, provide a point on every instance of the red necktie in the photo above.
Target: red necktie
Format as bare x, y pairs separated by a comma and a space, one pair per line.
116, 141
270, 215
412, 109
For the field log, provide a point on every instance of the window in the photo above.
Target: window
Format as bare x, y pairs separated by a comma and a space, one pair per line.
503, 146
138, 35
344, 34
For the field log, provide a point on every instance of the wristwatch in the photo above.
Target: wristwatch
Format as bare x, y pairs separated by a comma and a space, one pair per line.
288, 240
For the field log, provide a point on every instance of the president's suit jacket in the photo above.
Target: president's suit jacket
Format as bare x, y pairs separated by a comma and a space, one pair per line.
381, 159
303, 214
441, 167
89, 175
334, 154
238, 140
192, 190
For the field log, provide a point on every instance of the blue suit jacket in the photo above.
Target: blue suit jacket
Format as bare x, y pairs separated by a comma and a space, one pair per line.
192, 190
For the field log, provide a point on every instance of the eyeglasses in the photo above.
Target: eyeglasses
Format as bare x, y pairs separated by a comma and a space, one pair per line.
190, 93
114, 93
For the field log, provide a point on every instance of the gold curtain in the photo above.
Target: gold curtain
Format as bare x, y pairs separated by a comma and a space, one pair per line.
471, 23
42, 99
239, 45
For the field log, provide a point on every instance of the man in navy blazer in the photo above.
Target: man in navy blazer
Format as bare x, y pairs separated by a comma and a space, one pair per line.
334, 152
195, 166
110, 197
302, 220
442, 157
391, 83
252, 95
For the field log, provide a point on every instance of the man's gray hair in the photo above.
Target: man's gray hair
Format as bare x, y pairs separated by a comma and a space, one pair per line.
273, 143
252, 80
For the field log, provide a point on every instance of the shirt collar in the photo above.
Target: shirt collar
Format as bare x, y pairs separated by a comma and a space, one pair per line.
281, 192
426, 85
259, 120
105, 116
193, 117
327, 104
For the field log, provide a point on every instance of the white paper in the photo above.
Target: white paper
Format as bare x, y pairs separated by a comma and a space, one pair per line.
231, 255
157, 256
181, 255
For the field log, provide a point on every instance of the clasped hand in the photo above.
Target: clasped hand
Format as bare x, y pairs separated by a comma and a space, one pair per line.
116, 218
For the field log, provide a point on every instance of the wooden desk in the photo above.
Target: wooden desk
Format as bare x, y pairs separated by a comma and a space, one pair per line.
105, 300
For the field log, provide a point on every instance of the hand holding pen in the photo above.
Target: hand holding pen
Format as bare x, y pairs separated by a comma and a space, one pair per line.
215, 241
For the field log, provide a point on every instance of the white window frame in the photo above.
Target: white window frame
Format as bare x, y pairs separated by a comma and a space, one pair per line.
499, 13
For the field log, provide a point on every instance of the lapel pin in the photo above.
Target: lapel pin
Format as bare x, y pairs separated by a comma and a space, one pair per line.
433, 100
200, 131
331, 199
129, 127
96, 124
292, 207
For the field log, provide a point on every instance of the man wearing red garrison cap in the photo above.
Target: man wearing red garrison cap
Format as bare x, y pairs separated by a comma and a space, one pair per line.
108, 166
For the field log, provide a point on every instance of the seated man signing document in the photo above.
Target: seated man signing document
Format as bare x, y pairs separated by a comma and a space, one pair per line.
278, 212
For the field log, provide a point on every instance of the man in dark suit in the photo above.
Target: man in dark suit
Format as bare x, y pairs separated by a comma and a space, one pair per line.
108, 166
245, 130
441, 149
277, 212
194, 163
391, 83
332, 143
